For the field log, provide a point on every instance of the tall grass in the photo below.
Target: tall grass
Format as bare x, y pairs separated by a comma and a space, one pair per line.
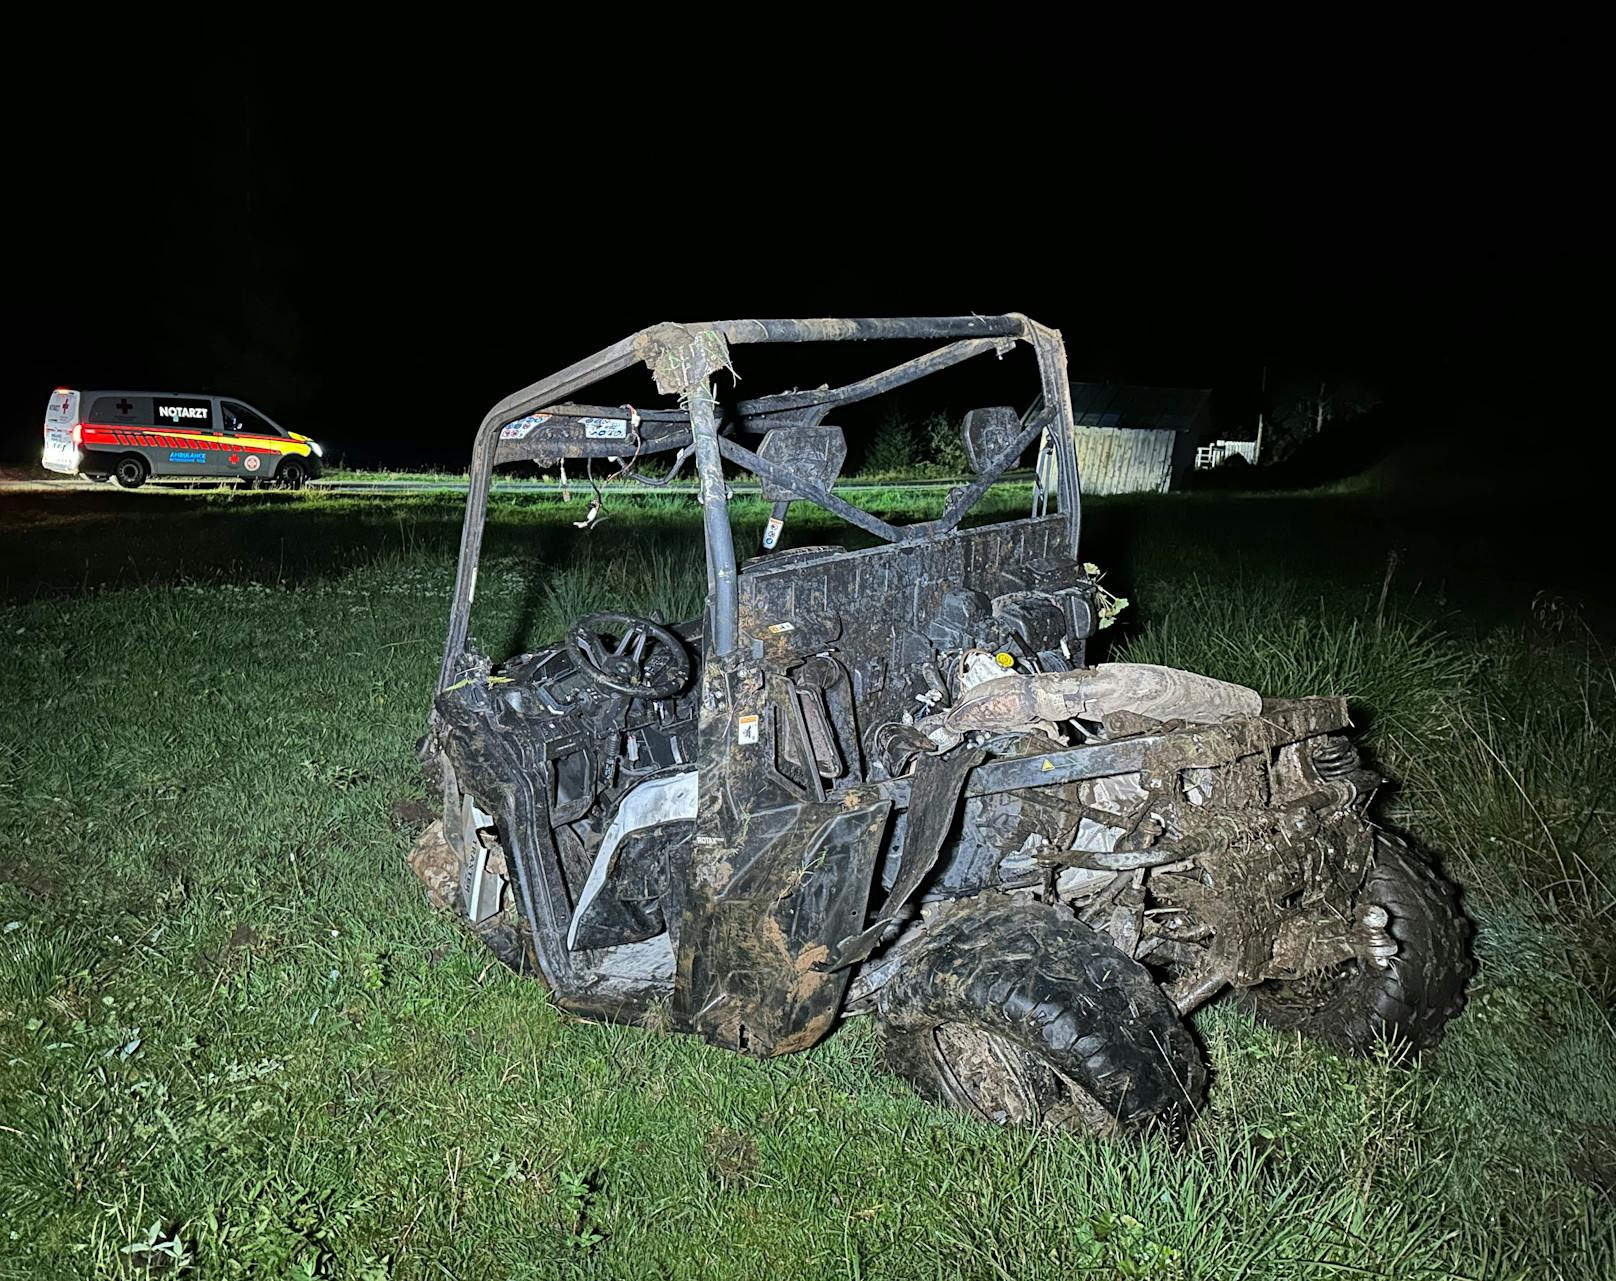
1397, 672
1522, 794
1504, 747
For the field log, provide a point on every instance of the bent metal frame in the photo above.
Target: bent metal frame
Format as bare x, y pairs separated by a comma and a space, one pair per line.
683, 359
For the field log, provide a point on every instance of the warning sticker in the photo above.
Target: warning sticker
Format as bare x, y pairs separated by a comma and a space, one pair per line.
747, 729
778, 628
520, 429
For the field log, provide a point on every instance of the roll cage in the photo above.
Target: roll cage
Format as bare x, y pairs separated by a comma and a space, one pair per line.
543, 424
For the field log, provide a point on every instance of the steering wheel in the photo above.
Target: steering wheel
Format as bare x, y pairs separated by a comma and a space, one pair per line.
630, 655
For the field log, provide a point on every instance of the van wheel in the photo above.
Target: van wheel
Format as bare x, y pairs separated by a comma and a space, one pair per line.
291, 475
131, 471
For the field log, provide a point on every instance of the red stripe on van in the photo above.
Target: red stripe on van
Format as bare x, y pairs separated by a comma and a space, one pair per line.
132, 438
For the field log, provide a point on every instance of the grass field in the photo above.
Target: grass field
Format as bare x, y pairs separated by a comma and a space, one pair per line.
234, 1041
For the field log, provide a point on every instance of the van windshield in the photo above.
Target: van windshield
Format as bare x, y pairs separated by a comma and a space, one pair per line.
238, 418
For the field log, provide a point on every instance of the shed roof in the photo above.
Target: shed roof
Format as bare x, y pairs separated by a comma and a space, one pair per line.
1139, 408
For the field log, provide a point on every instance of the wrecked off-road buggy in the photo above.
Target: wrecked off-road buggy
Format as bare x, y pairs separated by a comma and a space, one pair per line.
887, 779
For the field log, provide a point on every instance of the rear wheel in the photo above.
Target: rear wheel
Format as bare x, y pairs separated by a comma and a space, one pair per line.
1015, 1011
131, 471
292, 474
1408, 1001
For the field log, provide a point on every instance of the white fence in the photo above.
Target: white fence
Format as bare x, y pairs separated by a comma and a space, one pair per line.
1220, 451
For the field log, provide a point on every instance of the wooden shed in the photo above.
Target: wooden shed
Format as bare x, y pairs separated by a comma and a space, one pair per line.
1136, 440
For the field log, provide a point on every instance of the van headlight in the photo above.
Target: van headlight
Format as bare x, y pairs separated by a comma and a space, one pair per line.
315, 446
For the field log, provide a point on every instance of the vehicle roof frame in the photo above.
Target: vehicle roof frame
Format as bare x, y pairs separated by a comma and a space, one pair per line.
683, 359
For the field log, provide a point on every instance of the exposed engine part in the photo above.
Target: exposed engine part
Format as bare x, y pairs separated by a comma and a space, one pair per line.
977, 667
1075, 883
1043, 700
1035, 619
962, 621
894, 746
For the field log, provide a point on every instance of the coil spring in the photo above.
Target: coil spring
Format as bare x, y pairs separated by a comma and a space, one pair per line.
1335, 758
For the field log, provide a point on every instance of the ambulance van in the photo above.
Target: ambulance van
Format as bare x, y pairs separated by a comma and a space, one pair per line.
133, 436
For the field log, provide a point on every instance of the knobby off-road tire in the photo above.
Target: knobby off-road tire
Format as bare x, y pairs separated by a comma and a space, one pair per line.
1016, 1011
1409, 1002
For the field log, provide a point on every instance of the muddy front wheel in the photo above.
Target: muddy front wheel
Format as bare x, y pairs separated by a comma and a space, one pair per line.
1408, 1000
1016, 1012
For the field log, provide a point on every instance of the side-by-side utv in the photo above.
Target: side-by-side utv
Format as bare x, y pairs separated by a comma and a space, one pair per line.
886, 779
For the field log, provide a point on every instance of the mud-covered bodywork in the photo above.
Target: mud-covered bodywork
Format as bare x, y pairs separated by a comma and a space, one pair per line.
744, 821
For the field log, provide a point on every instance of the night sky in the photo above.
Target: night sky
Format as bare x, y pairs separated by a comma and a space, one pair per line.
374, 256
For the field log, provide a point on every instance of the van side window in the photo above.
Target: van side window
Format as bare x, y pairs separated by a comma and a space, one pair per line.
121, 410
238, 418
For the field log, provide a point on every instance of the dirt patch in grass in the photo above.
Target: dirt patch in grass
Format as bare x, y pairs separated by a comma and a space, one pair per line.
1595, 1164
732, 1156
29, 877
